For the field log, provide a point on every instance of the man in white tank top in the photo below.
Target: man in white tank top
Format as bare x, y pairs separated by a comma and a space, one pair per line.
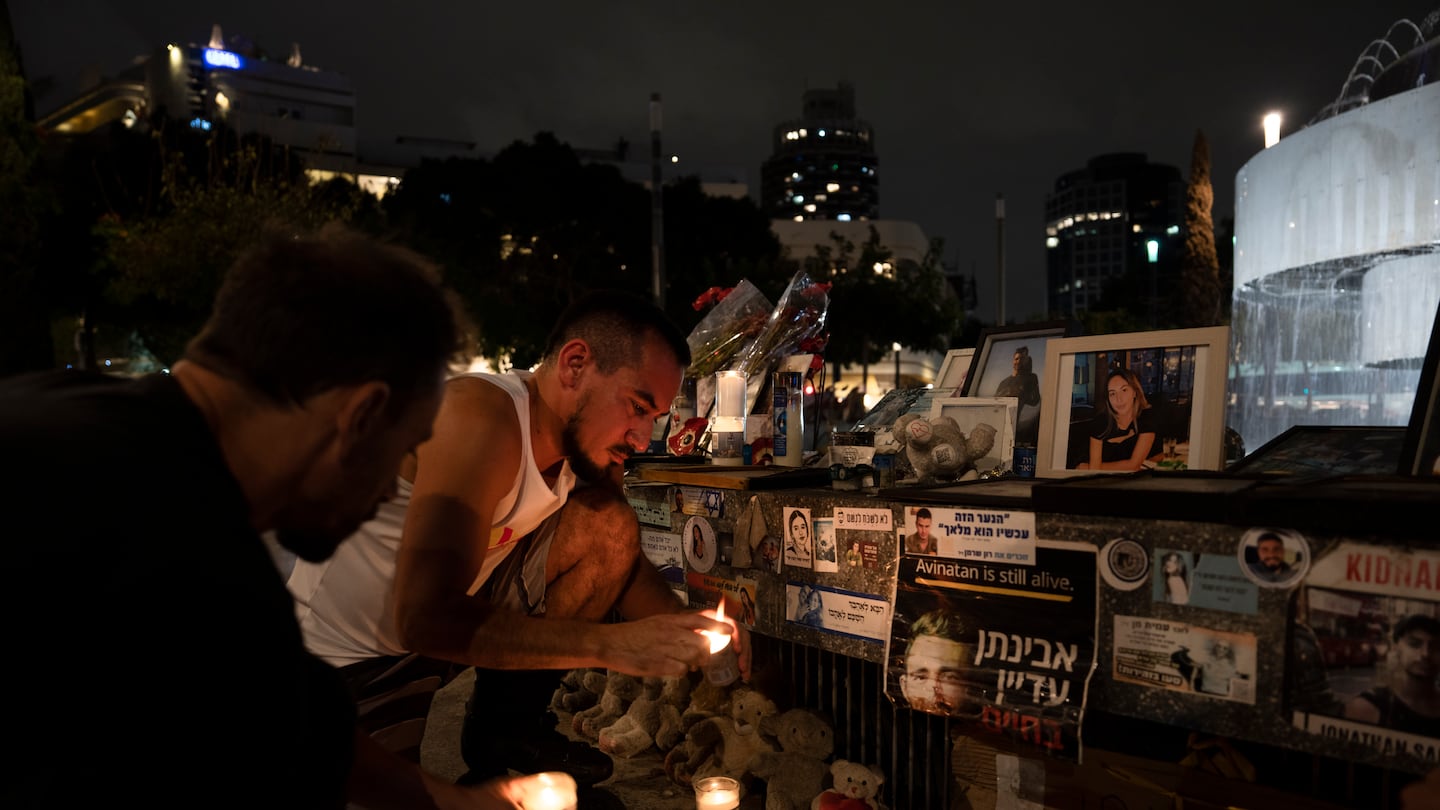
488, 558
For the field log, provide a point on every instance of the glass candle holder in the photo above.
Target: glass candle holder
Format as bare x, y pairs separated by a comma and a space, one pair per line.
727, 433
717, 793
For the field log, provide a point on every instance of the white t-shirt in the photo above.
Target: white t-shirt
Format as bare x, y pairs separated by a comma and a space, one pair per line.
345, 605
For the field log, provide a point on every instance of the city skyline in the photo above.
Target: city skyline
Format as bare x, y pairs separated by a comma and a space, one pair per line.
966, 103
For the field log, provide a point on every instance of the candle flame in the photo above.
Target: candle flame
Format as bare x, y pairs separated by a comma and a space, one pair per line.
718, 641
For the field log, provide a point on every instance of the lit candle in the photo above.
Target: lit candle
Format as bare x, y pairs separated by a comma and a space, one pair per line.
723, 667
717, 793
730, 395
549, 791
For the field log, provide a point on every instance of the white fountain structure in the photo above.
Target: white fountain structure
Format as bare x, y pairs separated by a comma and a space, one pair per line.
1337, 251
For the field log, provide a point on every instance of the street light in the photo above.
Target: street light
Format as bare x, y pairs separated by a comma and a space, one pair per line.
896, 347
1271, 123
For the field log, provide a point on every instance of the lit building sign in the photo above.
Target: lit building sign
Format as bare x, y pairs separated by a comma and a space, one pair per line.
214, 57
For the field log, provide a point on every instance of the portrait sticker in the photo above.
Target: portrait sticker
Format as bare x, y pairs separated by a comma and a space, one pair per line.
970, 534
1273, 558
707, 591
1211, 581
1181, 657
799, 545
833, 610
862, 554
1124, 564
1005, 648
698, 541
826, 553
868, 520
1366, 651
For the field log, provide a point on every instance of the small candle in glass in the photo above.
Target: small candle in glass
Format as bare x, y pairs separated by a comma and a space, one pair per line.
717, 793
553, 790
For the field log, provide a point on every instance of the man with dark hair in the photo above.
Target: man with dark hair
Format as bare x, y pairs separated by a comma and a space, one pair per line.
492, 557
1270, 563
1404, 697
1023, 384
941, 642
319, 368
921, 542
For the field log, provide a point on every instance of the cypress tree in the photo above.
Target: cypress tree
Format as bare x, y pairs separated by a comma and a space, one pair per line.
1200, 288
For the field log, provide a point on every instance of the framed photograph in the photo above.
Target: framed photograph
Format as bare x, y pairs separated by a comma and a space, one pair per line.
1133, 401
1325, 451
975, 415
1009, 361
951, 376
1420, 455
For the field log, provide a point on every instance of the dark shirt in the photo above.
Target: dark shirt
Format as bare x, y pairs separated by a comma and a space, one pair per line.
1397, 716
1025, 387
154, 653
1120, 446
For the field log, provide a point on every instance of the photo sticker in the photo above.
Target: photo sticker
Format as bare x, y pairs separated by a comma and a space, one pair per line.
1273, 558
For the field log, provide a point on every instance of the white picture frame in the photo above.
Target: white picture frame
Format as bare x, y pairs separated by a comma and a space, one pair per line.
997, 412
953, 369
1185, 378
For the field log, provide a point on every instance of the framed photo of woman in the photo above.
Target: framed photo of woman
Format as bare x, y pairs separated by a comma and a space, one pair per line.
1133, 401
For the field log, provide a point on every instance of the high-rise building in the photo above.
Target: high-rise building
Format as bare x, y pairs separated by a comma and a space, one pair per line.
312, 111
1118, 213
823, 165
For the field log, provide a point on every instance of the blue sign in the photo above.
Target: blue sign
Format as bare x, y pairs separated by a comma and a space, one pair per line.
215, 57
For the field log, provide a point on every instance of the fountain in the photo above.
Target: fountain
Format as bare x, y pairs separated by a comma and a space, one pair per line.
1337, 256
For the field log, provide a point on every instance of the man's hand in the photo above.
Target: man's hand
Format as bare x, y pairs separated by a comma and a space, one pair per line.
667, 645
505, 793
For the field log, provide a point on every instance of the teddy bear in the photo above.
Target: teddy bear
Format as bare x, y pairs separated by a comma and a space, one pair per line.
856, 787
674, 697
723, 746
795, 774
937, 450
579, 689
620, 690
706, 700
635, 732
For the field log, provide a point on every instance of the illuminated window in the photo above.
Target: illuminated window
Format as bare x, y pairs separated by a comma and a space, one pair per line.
843, 217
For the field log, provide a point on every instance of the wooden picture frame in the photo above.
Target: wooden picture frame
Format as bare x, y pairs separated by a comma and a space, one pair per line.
1420, 453
953, 371
1180, 371
992, 365
997, 412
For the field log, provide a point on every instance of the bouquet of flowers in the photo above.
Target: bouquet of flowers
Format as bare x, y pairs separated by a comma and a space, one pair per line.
796, 326
738, 316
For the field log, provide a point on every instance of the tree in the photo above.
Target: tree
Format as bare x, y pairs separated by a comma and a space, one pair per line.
216, 195
878, 301
522, 235
1201, 294
24, 324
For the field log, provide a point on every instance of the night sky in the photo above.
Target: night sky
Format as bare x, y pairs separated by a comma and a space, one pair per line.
966, 101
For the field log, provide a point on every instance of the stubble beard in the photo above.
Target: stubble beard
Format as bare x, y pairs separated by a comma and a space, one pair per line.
584, 466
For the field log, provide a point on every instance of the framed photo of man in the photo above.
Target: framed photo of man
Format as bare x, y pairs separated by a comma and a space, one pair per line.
1009, 361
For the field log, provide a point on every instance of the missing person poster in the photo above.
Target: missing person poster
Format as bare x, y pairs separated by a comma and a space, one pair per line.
1365, 651
1008, 647
1182, 657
